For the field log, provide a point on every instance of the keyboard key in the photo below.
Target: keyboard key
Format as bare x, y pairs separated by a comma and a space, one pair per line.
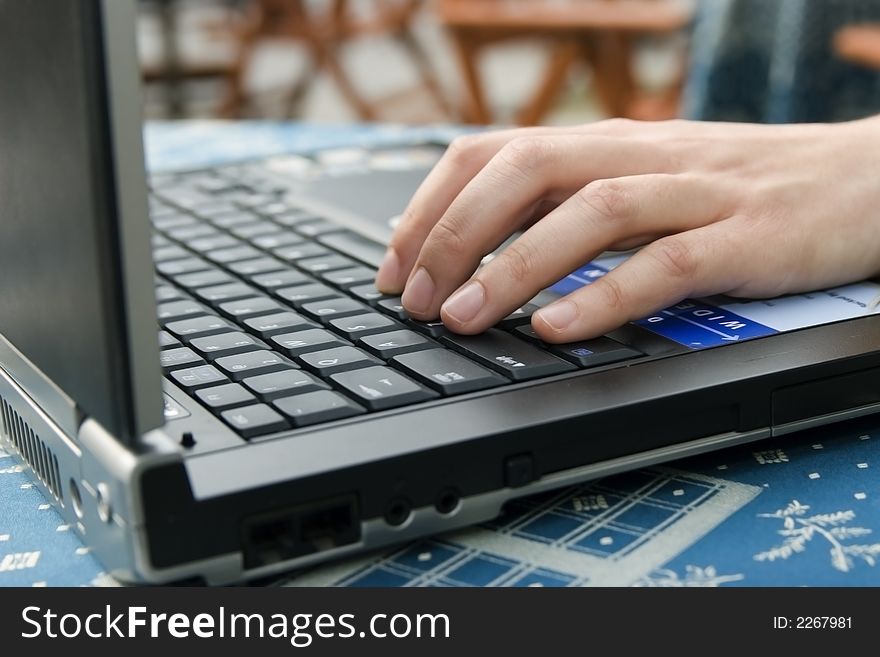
300, 295
527, 333
316, 228
254, 420
234, 254
174, 221
184, 196
394, 307
251, 307
325, 263
174, 359
157, 241
226, 292
214, 186
176, 267
252, 363
277, 240
213, 243
255, 229
274, 209
379, 388
280, 279
354, 245
256, 266
357, 326
284, 383
166, 293
286, 322
197, 327
214, 208
174, 310
203, 279
221, 398
435, 329
504, 353
301, 342
592, 353
448, 372
225, 344
229, 220
388, 345
332, 308
172, 252
159, 210
518, 317
194, 378
294, 217
346, 278
300, 252
186, 233
367, 293
339, 359
315, 407
167, 341
254, 200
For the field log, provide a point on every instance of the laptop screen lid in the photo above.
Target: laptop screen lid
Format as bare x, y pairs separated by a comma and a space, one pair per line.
77, 306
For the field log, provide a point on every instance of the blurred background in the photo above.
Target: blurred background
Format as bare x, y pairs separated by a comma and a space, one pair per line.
520, 62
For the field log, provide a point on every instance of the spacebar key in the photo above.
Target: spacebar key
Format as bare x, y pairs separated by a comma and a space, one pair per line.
506, 354
356, 246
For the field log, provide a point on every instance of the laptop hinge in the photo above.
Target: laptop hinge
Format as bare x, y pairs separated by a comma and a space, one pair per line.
50, 398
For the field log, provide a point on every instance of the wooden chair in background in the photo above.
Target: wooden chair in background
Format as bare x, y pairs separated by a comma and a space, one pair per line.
600, 33
171, 72
324, 33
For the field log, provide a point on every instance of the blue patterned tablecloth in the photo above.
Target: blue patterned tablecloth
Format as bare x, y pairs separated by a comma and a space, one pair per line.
799, 510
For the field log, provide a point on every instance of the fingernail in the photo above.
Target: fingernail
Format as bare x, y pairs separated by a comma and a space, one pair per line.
464, 305
558, 316
419, 292
389, 271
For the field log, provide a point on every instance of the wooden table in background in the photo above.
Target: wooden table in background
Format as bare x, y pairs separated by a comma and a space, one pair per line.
598, 32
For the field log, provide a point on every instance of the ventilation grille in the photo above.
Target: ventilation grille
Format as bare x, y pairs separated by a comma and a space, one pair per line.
33, 450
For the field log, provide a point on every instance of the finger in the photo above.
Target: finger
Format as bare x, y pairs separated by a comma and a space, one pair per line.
500, 198
464, 158
699, 262
604, 213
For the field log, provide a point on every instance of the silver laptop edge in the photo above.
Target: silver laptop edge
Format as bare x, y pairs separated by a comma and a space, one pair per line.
93, 478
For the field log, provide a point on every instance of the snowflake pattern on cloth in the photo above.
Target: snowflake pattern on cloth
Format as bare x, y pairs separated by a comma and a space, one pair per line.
799, 530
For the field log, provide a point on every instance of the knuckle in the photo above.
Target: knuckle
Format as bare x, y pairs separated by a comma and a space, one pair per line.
446, 238
612, 293
675, 257
408, 221
608, 200
525, 154
464, 148
518, 261
617, 125
407, 230
675, 124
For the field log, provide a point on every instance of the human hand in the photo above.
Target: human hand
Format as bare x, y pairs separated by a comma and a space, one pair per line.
739, 209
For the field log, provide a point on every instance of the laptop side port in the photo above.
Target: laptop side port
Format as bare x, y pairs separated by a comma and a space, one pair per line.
283, 534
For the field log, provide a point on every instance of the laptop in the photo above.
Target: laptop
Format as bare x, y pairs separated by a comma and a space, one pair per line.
202, 378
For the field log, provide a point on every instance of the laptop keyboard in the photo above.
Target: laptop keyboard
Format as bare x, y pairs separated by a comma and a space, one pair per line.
269, 318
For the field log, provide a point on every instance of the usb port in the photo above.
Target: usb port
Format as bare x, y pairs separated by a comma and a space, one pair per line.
283, 534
